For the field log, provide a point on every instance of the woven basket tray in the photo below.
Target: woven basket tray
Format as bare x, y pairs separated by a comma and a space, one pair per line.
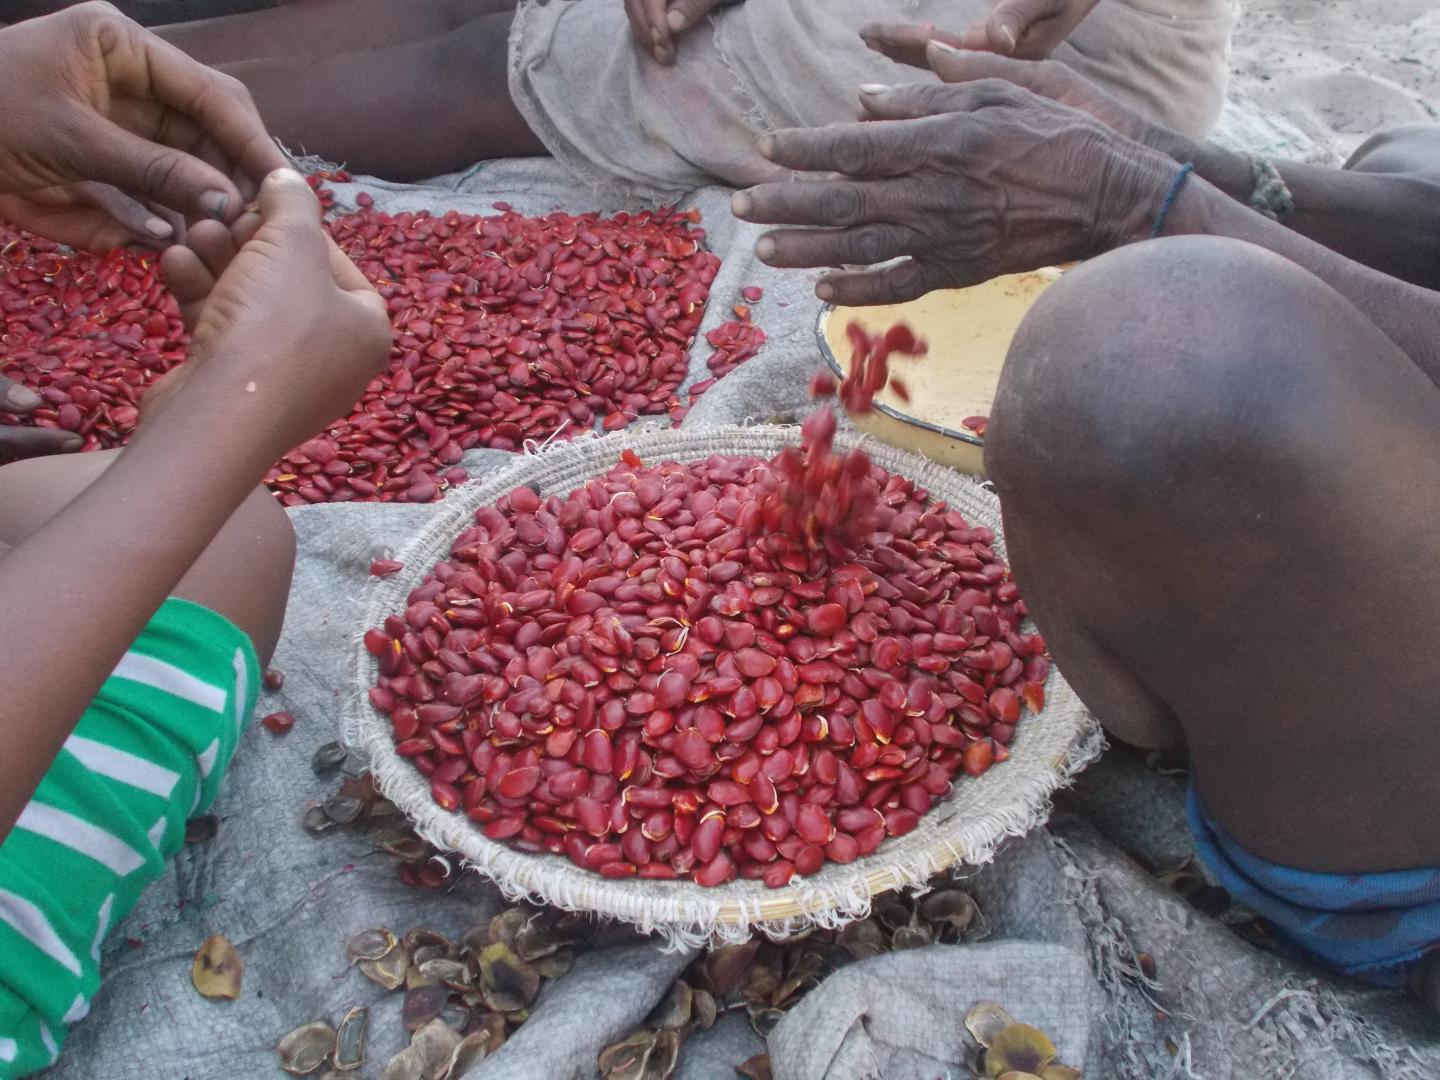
1009, 800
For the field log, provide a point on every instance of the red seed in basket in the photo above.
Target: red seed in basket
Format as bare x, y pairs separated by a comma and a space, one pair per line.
728, 669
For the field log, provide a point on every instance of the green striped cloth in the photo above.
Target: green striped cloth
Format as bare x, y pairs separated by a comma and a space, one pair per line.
149, 753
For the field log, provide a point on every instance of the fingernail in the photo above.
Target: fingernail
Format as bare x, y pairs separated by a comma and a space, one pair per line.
825, 291
215, 204
741, 204
158, 227
767, 146
71, 443
22, 397
655, 35
873, 88
1009, 36
946, 48
765, 249
675, 20
286, 176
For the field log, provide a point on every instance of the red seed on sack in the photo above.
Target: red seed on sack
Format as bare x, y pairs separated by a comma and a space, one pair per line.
279, 723
385, 567
274, 679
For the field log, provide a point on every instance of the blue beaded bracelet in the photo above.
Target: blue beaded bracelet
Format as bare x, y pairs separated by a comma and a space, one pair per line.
1176, 186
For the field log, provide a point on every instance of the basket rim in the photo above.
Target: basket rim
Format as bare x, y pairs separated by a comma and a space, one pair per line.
680, 910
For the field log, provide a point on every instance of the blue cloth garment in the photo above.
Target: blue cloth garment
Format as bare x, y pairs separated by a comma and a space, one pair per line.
1374, 926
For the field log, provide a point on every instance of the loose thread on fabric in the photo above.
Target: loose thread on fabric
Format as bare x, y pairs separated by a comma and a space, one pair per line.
1269, 194
1176, 186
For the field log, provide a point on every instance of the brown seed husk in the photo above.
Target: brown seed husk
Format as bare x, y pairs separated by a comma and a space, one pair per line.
726, 966
763, 1018
405, 846
369, 944
534, 940
1019, 1076
408, 1064
1019, 1048
910, 937
803, 967
426, 953
350, 1039
507, 983
423, 1004
704, 1009
674, 1009
986, 1020
306, 1049
954, 908
764, 975
434, 1043
492, 1026
389, 970
556, 965
342, 809
504, 929
1056, 1071
645, 1055
218, 970
757, 1068
891, 912
450, 972
469, 1051
330, 756
863, 939
421, 936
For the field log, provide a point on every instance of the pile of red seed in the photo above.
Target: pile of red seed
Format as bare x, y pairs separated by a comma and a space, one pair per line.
643, 678
507, 329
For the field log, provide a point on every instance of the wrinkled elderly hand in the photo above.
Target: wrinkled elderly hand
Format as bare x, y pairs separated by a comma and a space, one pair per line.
656, 23
1026, 29
959, 183
101, 117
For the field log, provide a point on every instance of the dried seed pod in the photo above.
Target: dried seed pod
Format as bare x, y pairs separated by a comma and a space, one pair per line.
389, 970
756, 1068
911, 937
369, 944
556, 965
202, 829
451, 973
703, 1009
725, 966
469, 1051
408, 1064
419, 937
327, 757
1057, 1071
803, 966
423, 1004
434, 1044
405, 846
675, 1008
986, 1020
645, 1055
342, 809
863, 939
506, 982
763, 1018
1018, 1048
218, 969
306, 1049
762, 978
505, 928
952, 908
491, 1026
350, 1039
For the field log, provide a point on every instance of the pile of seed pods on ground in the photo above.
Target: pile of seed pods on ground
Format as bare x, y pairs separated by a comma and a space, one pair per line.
652, 677
508, 329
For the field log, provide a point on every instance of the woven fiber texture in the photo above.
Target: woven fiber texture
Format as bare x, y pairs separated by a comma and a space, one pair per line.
966, 827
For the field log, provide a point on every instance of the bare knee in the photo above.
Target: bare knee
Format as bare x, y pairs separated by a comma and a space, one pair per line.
1152, 366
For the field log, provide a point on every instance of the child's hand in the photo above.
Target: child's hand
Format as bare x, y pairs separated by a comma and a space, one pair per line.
655, 23
286, 331
101, 116
1024, 29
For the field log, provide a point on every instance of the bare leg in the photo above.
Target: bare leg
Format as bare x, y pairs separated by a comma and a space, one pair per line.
318, 28
404, 112
244, 574
1217, 487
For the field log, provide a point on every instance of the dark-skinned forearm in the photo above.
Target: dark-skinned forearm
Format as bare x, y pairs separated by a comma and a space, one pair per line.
1408, 314
81, 588
1389, 222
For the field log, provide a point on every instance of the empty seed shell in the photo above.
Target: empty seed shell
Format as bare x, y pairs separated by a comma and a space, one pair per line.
803, 968
389, 970
954, 908
316, 821
862, 939
1056, 1071
423, 1004
350, 1039
763, 1018
426, 953
504, 929
342, 809
645, 1055
469, 1051
369, 944
218, 970
489, 1024
674, 1009
1019, 1048
408, 1064
507, 983
703, 1009
910, 937
763, 977
726, 966
556, 965
202, 829
452, 973
421, 936
330, 756
434, 1043
757, 1068
304, 1050
986, 1020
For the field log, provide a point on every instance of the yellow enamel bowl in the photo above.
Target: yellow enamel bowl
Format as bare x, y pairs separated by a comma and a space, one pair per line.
969, 331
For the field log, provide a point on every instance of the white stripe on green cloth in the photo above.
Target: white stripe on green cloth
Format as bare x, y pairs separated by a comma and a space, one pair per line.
80, 836
169, 679
123, 766
30, 922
